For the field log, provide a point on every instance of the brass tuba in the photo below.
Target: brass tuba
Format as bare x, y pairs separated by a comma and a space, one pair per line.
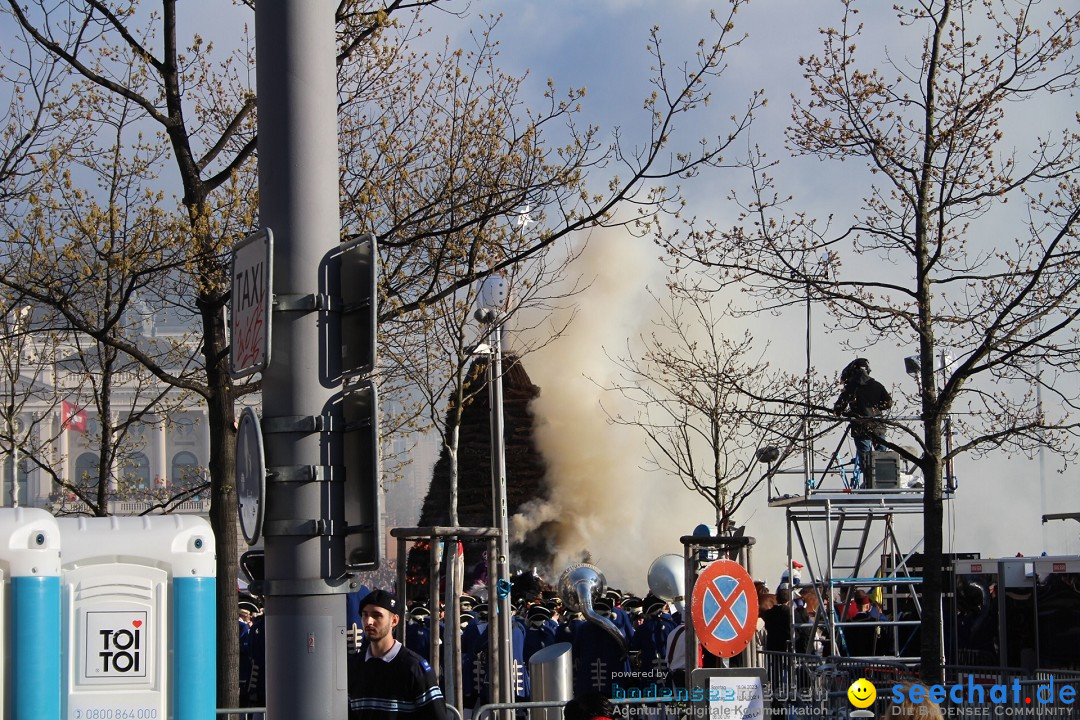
667, 579
579, 585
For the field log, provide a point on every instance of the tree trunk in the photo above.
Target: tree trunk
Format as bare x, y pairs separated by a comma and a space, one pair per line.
932, 660
223, 508
452, 451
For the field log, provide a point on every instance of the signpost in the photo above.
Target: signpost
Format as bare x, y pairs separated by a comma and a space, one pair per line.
724, 608
731, 693
250, 475
250, 303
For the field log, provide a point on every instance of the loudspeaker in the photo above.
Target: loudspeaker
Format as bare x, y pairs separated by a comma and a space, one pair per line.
886, 464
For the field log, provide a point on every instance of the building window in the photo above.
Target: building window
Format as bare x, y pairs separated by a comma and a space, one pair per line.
86, 469
185, 469
137, 472
183, 431
9, 483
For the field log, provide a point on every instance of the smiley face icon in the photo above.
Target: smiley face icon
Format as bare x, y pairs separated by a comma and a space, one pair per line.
862, 693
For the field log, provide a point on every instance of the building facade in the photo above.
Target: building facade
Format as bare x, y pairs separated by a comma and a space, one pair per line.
52, 391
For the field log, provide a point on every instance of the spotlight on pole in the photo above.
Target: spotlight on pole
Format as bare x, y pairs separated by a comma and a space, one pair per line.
492, 306
912, 365
768, 454
493, 299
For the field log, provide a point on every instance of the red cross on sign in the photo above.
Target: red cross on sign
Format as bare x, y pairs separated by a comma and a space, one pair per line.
724, 608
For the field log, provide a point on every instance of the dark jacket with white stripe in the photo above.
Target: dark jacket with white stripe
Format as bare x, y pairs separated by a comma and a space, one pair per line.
405, 688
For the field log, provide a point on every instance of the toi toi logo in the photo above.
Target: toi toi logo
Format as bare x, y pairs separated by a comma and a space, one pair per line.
121, 649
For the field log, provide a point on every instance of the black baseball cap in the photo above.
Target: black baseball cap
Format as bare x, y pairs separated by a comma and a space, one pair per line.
381, 598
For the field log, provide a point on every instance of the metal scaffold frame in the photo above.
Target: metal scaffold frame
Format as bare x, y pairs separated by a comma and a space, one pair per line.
861, 550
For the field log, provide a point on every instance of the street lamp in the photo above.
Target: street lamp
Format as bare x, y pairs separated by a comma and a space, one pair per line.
819, 272
491, 309
913, 366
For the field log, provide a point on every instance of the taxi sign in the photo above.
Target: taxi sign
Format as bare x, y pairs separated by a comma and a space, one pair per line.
250, 304
724, 608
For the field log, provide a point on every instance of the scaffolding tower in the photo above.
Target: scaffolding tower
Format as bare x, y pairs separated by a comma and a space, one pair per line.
847, 539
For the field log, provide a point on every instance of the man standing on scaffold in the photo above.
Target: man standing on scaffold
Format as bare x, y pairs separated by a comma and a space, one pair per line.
863, 399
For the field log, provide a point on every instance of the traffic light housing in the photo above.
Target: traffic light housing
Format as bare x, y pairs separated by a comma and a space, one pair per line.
363, 491
359, 305
356, 285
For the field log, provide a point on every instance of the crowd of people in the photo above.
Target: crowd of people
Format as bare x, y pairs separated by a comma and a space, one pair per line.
644, 653
601, 661
649, 655
636, 654
800, 609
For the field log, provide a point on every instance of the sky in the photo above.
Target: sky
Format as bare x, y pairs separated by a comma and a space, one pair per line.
601, 45
627, 517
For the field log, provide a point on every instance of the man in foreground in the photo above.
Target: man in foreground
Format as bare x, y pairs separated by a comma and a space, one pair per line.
387, 681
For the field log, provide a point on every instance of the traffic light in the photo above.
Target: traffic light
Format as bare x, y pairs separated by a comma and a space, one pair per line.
359, 311
356, 284
363, 494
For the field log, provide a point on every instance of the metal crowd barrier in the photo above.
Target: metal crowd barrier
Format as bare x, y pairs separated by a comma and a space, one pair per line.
811, 685
259, 713
814, 685
793, 679
636, 707
486, 712
837, 675
255, 713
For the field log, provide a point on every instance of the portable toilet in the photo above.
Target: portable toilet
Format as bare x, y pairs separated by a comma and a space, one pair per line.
30, 614
138, 607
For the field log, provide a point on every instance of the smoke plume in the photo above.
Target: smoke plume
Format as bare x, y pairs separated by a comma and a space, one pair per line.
602, 504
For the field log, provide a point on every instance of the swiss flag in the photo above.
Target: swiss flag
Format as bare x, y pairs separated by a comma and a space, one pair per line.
72, 417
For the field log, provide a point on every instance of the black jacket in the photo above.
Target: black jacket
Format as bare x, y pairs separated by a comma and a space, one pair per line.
403, 689
862, 402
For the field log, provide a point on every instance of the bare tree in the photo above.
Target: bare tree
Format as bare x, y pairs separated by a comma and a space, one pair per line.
968, 240
98, 245
434, 166
412, 172
27, 389
708, 402
37, 125
83, 260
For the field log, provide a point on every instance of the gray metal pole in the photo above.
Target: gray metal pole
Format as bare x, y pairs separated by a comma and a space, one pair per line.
298, 201
433, 600
495, 676
498, 478
689, 639
452, 679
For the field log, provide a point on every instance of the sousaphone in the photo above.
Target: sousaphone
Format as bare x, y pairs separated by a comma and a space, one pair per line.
579, 586
667, 580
